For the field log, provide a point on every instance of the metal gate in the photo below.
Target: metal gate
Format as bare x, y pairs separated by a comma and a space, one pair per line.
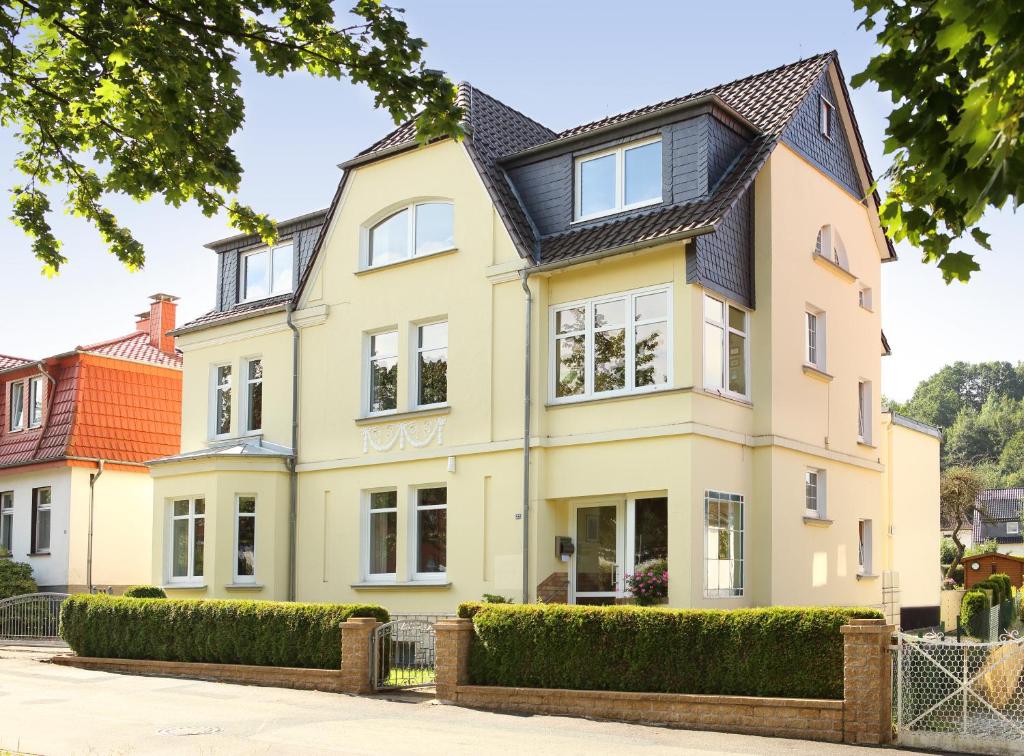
32, 616
402, 654
960, 696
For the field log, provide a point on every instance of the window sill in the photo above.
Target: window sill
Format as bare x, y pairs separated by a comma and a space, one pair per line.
866, 444
397, 263
244, 587
736, 398
817, 373
184, 587
401, 585
410, 415
830, 265
38, 554
818, 522
558, 403
867, 576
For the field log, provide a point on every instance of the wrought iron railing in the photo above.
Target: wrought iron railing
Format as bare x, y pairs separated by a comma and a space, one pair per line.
31, 616
402, 654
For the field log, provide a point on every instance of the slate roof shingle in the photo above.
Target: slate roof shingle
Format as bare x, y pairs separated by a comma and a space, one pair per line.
1001, 505
243, 309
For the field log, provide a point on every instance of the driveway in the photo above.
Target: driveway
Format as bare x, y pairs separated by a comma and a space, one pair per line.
47, 709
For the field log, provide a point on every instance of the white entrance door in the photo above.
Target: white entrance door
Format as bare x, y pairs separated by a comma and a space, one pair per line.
599, 535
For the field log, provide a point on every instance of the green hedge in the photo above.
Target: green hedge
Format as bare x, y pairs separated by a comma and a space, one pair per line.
144, 591
266, 633
779, 651
973, 612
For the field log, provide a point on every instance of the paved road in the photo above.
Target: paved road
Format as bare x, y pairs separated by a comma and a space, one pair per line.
46, 709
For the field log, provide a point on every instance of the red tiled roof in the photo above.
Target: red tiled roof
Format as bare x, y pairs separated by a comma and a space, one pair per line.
134, 346
7, 361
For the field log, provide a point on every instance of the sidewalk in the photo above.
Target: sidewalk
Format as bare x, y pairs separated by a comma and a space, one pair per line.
46, 709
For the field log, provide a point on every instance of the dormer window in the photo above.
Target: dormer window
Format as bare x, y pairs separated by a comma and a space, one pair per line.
422, 229
267, 271
621, 178
826, 118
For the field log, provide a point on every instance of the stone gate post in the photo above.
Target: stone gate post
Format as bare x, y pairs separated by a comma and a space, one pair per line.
867, 682
355, 654
452, 656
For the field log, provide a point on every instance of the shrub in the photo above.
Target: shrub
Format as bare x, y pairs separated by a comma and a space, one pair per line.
1005, 586
266, 633
16, 579
494, 598
790, 652
989, 584
649, 583
144, 591
974, 611
947, 551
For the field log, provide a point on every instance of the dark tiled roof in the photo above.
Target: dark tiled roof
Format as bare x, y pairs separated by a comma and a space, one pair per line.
243, 309
1001, 505
767, 100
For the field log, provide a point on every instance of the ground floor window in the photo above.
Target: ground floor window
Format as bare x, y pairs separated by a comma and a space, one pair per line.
245, 539
382, 534
723, 545
41, 520
431, 531
188, 529
6, 520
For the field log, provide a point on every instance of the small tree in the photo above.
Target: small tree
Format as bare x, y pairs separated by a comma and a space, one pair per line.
16, 579
959, 499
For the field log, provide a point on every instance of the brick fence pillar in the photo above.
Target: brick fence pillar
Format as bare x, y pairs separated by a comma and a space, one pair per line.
355, 654
867, 682
452, 655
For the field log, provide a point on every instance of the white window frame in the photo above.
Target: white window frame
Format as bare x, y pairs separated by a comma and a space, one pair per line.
235, 577
36, 387
368, 372
1016, 527
11, 427
243, 400
36, 509
414, 531
820, 508
365, 529
826, 117
7, 519
215, 389
410, 238
190, 578
727, 329
269, 251
865, 298
829, 246
620, 179
865, 547
865, 423
716, 593
414, 399
819, 360
630, 325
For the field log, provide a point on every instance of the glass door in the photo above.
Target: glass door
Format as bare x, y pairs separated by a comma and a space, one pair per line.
597, 563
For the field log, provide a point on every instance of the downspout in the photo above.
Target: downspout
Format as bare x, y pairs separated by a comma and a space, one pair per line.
293, 476
92, 501
527, 396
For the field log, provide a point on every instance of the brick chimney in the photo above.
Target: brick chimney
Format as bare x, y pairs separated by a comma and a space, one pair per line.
159, 321
142, 324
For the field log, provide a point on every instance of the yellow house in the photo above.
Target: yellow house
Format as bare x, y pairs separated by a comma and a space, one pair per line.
529, 362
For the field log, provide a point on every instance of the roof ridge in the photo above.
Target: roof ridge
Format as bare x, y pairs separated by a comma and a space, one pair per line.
13, 357
473, 88
108, 342
691, 95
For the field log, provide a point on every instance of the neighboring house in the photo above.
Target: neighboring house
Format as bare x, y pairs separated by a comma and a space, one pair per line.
1003, 508
692, 289
982, 566
76, 430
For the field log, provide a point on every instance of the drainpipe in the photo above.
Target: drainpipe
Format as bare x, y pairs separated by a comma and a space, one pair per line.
527, 395
92, 500
293, 475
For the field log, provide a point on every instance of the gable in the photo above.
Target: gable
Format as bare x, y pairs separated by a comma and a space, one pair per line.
834, 155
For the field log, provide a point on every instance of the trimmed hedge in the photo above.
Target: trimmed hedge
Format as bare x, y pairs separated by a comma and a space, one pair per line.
778, 652
266, 633
973, 612
144, 591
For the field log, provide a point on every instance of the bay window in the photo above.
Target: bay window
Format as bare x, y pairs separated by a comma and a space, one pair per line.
618, 344
621, 178
725, 347
188, 529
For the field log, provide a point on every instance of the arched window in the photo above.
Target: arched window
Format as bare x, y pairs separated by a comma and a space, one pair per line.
414, 231
830, 246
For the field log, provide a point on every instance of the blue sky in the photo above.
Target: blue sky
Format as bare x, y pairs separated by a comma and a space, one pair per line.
561, 63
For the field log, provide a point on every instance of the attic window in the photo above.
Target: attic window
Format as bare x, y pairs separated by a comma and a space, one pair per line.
267, 271
621, 178
826, 118
830, 246
415, 231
